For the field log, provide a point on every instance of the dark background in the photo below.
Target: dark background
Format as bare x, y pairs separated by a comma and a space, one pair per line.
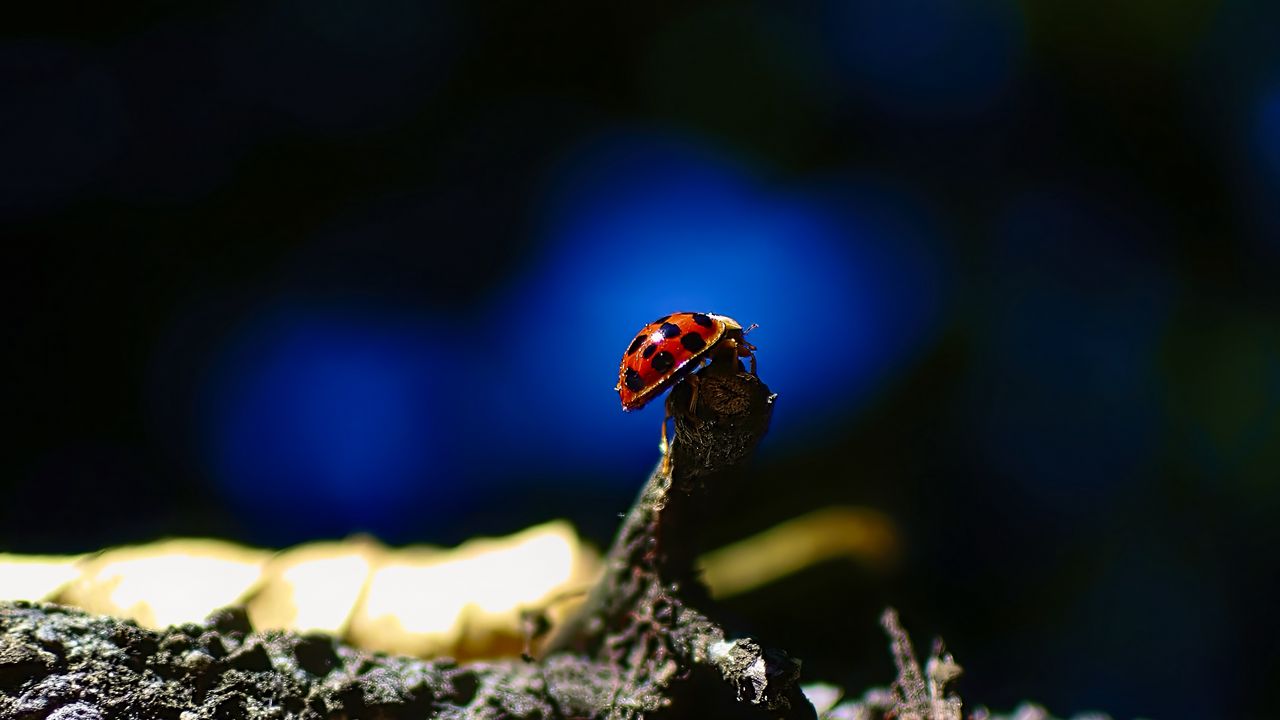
287, 270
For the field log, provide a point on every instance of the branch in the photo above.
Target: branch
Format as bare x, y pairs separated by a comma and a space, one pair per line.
642, 614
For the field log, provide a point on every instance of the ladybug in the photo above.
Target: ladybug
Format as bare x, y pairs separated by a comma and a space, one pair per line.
669, 348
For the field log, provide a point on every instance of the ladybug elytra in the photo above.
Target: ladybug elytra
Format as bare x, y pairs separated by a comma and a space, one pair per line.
666, 349
669, 348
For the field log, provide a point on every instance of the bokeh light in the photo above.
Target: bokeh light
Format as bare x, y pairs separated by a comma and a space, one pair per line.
328, 421
844, 290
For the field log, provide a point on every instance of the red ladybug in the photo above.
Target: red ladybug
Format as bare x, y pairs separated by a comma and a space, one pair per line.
666, 349
669, 348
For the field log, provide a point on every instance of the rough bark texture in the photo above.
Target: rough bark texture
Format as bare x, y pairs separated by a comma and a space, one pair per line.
63, 664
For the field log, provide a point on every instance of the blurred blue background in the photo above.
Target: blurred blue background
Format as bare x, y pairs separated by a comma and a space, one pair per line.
288, 270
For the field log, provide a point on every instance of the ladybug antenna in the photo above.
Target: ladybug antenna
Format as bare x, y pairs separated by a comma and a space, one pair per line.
750, 327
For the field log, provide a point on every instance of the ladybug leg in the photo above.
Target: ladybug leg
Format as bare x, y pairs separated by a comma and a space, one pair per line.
747, 350
693, 393
666, 446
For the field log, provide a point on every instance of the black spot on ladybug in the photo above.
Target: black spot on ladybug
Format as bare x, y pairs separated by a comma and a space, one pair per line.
693, 342
670, 330
632, 380
649, 351
660, 320
703, 320
635, 344
662, 362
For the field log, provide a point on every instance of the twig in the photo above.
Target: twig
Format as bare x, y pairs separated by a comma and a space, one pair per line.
642, 612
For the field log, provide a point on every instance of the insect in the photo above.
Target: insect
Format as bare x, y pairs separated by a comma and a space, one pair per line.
671, 347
